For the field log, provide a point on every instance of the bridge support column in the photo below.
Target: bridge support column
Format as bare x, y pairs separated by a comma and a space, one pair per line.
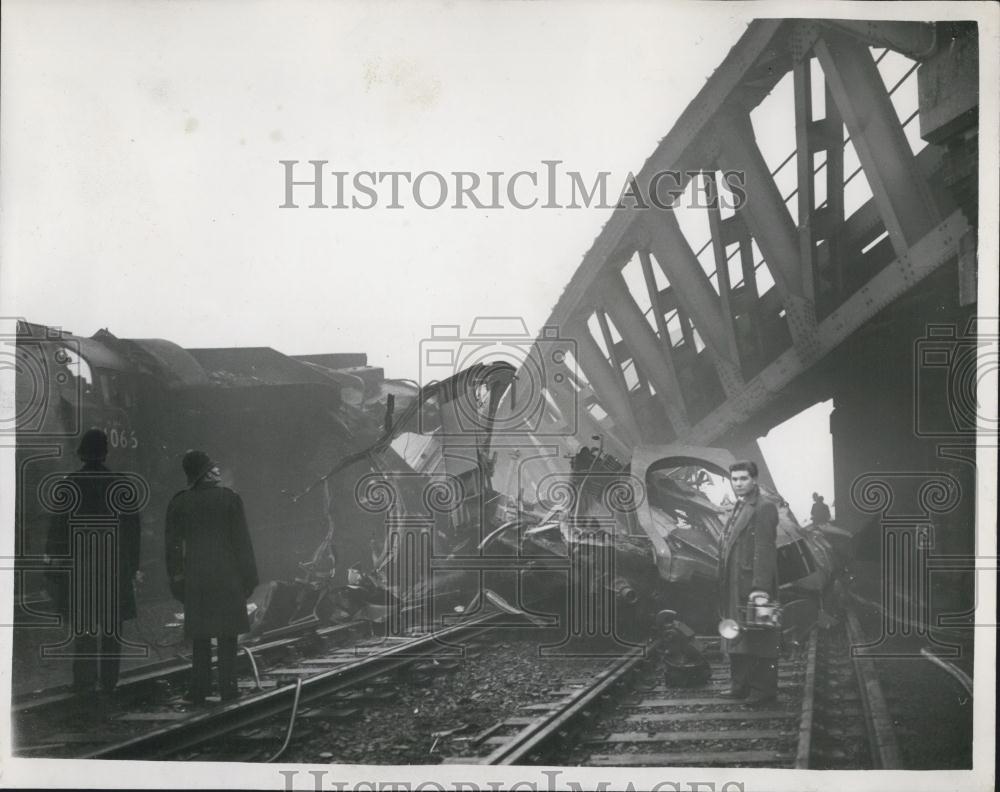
894, 426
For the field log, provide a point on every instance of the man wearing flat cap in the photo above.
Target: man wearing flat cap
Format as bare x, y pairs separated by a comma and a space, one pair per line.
212, 570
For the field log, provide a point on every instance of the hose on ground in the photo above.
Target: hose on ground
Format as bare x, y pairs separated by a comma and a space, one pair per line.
291, 721
253, 665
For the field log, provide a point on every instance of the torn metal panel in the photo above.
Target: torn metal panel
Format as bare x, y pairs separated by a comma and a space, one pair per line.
645, 457
165, 360
254, 366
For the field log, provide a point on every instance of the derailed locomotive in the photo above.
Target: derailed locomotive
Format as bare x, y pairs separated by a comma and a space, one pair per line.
625, 539
273, 421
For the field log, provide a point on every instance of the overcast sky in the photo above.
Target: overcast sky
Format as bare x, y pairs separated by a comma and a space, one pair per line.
142, 140
141, 177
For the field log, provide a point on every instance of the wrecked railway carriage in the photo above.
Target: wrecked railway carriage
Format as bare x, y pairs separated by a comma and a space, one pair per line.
364, 491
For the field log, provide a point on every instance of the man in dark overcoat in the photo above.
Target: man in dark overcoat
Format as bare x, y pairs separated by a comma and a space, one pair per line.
212, 570
92, 548
748, 573
820, 512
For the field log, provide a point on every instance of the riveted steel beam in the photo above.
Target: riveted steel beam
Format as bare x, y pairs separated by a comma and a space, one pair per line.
817, 224
685, 136
804, 162
694, 292
572, 398
764, 210
915, 40
570, 393
722, 271
607, 387
900, 191
767, 218
932, 251
834, 214
617, 364
651, 354
654, 295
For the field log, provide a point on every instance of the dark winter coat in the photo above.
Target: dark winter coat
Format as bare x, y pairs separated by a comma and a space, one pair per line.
100, 509
748, 562
820, 513
210, 560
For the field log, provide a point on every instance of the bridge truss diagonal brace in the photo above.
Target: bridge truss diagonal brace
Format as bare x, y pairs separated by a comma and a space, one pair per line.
901, 193
694, 292
936, 248
764, 209
569, 397
722, 275
613, 398
651, 354
770, 224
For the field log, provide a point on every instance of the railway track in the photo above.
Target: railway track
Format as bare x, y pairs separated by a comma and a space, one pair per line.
61, 723
829, 713
138, 682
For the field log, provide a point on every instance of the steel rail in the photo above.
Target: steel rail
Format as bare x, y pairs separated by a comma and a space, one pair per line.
903, 601
806, 720
881, 734
950, 668
242, 713
144, 675
134, 680
530, 739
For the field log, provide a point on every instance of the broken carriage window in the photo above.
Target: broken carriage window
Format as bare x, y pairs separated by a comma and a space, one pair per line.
692, 495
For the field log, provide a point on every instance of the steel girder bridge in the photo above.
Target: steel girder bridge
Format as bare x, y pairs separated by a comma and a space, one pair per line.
850, 265
710, 326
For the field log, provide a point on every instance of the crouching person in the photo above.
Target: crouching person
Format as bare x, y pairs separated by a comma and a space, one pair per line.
212, 570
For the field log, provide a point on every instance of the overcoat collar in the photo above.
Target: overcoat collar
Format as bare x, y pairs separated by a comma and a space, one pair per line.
740, 521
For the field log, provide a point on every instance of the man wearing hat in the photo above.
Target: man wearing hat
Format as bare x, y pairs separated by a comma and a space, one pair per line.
212, 570
97, 540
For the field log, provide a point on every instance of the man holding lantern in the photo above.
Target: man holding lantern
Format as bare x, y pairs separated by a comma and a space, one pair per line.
748, 578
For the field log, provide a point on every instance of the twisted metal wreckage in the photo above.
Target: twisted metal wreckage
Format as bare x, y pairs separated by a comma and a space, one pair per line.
401, 499
634, 538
